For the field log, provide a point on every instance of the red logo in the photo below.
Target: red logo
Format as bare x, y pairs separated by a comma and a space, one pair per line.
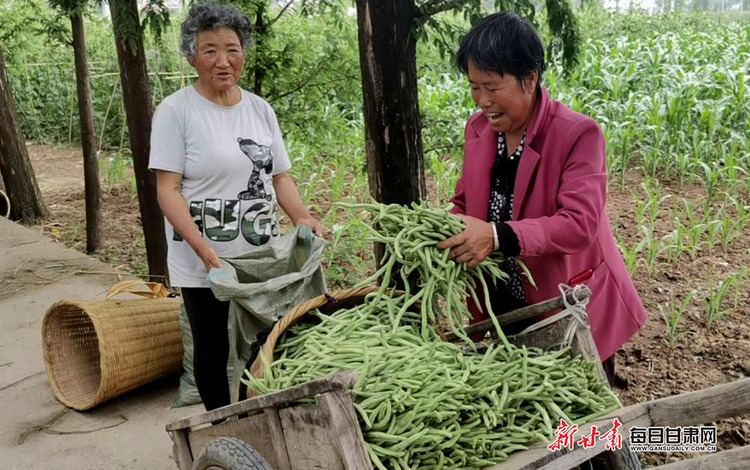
565, 437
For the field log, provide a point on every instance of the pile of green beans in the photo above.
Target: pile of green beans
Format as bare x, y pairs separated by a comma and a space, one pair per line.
410, 235
426, 404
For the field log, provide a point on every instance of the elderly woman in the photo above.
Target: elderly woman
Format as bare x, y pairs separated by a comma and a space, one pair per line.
221, 169
534, 185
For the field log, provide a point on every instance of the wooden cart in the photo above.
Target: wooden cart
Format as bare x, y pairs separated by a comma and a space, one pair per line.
314, 426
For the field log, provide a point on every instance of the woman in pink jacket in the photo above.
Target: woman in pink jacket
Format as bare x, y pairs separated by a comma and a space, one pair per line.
534, 186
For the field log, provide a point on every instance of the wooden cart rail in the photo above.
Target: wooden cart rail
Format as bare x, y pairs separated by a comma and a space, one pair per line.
334, 400
687, 409
524, 313
327, 435
334, 383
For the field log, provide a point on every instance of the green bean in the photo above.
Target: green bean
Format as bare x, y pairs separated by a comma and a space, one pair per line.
423, 403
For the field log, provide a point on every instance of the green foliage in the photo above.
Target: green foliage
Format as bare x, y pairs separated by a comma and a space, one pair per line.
156, 17
446, 29
564, 26
69, 7
129, 28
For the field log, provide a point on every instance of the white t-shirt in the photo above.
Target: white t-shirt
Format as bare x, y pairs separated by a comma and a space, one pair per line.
227, 156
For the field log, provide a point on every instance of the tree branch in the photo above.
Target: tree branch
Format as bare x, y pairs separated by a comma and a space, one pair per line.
288, 4
305, 83
433, 7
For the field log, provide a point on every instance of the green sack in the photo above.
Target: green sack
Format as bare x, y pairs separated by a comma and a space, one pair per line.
262, 286
187, 393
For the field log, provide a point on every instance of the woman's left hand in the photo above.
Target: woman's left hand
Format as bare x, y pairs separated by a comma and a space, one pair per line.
472, 245
311, 222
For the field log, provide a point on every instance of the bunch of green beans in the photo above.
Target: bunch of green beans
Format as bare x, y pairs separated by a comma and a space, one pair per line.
426, 404
410, 236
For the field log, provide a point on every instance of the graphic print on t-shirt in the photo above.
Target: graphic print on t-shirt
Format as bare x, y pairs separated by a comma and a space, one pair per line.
253, 213
262, 160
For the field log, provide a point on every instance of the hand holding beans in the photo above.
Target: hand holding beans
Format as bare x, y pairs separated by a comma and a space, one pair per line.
472, 245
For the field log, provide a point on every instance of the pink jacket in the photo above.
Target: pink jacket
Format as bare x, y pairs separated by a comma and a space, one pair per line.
558, 214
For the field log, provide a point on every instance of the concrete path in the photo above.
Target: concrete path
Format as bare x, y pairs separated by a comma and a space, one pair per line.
36, 431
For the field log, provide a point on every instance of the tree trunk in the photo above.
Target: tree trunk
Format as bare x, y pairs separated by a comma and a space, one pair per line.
88, 137
20, 182
138, 109
259, 34
393, 135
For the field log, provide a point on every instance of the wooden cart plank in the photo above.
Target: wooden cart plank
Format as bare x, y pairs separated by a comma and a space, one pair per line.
308, 438
347, 434
181, 449
732, 459
540, 457
252, 430
703, 406
277, 439
340, 381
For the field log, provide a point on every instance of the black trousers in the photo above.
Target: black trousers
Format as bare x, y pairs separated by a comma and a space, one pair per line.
208, 321
609, 369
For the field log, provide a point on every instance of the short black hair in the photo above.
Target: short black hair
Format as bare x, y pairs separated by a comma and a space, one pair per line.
503, 43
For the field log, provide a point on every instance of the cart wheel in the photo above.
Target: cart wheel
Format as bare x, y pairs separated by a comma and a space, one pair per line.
229, 453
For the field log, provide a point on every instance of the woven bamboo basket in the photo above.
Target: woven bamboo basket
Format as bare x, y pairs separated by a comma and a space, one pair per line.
97, 350
328, 302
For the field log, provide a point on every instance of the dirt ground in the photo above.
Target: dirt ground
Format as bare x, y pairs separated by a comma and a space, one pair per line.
646, 367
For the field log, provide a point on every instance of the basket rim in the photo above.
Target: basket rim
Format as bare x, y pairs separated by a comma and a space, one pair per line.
296, 313
47, 354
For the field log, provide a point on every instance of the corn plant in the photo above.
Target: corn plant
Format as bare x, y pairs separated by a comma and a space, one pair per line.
689, 212
674, 242
651, 248
630, 255
714, 302
714, 234
672, 313
694, 239
711, 179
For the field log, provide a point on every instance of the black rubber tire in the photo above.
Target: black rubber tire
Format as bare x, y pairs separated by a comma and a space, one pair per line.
229, 453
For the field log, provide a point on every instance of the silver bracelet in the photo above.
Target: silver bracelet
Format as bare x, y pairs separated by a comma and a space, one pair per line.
494, 236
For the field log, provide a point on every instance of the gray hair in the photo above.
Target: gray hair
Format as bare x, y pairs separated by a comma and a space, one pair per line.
211, 17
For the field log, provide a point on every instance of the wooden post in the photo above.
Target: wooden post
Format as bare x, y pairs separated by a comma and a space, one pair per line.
88, 136
345, 430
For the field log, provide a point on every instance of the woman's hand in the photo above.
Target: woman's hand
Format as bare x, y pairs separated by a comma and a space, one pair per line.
311, 222
472, 245
291, 202
207, 254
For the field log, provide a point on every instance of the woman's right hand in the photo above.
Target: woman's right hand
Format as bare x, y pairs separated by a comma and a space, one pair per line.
207, 254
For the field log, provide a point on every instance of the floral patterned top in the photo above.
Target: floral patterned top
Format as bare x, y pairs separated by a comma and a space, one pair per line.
511, 295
